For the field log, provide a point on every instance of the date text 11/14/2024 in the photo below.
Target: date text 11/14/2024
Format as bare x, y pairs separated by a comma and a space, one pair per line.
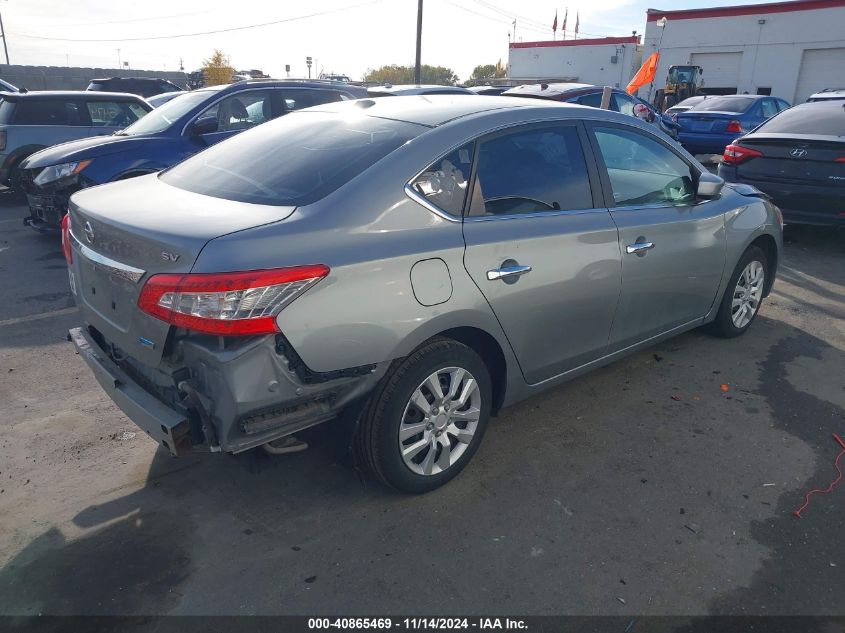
417, 623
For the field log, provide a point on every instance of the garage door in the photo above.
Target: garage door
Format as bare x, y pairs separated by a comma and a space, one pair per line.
820, 68
721, 70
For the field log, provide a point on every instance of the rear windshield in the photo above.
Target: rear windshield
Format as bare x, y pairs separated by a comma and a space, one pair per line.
725, 104
292, 161
165, 115
824, 119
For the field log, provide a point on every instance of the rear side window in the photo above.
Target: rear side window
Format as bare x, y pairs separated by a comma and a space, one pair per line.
48, 112
444, 182
822, 118
296, 99
593, 100
294, 160
530, 171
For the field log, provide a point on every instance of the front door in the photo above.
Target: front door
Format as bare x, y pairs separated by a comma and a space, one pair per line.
539, 247
672, 243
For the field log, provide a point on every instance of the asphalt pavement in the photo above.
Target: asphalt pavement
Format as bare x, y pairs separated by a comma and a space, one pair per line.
661, 484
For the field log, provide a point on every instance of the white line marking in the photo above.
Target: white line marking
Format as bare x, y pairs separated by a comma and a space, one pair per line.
38, 317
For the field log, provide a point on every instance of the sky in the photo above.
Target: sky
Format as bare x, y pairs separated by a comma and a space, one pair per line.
342, 36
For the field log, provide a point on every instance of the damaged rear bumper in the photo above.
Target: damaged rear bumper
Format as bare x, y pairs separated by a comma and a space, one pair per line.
164, 424
208, 398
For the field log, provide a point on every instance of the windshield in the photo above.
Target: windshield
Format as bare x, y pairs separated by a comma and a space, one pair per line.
292, 161
725, 104
163, 117
823, 119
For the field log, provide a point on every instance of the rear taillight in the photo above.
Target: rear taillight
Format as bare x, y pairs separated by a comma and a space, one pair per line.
2, 140
734, 126
229, 304
736, 154
841, 159
66, 249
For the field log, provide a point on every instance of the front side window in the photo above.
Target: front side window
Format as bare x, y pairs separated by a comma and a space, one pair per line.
166, 115
444, 182
533, 170
769, 108
643, 171
623, 103
240, 111
112, 114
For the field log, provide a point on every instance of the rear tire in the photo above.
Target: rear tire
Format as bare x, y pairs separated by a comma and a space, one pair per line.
743, 295
410, 436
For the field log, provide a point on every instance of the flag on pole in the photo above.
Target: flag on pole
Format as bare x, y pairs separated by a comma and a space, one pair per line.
577, 22
565, 15
645, 75
554, 24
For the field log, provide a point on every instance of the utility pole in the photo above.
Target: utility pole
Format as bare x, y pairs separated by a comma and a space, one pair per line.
181, 65
3, 35
514, 30
417, 65
119, 65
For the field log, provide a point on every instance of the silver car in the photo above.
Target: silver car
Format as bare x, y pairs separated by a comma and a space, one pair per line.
413, 264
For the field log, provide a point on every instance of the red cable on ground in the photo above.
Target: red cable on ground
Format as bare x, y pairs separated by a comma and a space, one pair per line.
798, 512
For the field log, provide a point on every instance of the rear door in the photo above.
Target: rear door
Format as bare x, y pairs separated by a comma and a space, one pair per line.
541, 248
672, 245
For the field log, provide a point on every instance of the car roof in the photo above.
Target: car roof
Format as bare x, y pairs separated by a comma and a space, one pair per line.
829, 93
61, 95
416, 88
431, 110
549, 90
132, 79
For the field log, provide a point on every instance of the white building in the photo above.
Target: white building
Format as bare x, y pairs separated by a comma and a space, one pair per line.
606, 61
787, 49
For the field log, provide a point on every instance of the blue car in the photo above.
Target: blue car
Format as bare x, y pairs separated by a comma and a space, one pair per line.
714, 123
178, 129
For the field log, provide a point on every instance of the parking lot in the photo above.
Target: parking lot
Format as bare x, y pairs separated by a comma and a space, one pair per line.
662, 484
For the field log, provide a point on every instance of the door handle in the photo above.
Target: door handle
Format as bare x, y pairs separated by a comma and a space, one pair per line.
639, 248
508, 272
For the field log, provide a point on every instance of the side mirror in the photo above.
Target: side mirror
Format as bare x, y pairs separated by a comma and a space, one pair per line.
203, 126
709, 185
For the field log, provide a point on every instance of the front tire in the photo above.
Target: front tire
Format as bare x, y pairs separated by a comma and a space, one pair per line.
743, 295
427, 417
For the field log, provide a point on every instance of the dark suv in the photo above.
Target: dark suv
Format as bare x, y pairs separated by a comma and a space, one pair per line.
178, 129
31, 121
143, 86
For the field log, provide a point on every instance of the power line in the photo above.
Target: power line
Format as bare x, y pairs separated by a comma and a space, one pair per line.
524, 19
490, 17
180, 35
152, 19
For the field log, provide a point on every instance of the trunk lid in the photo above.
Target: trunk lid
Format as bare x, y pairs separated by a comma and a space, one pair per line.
800, 159
127, 231
706, 121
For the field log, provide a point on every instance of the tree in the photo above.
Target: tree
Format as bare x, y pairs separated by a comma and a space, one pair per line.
395, 74
217, 69
485, 72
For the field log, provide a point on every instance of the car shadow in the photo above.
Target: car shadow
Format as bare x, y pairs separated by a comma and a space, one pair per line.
303, 533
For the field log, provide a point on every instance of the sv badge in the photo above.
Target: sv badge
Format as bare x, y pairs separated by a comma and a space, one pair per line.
169, 257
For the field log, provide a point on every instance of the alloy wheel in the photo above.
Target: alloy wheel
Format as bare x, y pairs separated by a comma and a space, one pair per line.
439, 421
747, 294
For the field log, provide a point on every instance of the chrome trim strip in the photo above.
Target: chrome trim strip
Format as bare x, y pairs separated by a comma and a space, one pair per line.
415, 195
113, 267
534, 214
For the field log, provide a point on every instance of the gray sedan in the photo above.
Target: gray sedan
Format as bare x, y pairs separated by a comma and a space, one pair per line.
412, 264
